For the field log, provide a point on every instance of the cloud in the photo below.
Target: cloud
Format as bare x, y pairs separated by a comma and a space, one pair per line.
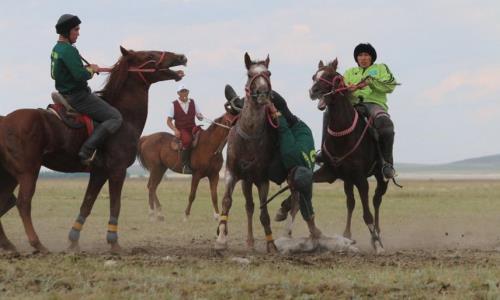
471, 85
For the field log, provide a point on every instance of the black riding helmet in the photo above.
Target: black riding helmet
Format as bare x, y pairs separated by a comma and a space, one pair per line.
366, 48
65, 23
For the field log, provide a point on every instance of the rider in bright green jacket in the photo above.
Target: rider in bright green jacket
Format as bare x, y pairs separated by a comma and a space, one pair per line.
373, 97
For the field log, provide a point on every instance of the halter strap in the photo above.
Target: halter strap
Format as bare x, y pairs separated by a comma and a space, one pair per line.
140, 69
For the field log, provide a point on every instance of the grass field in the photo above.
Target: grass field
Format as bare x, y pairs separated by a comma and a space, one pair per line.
442, 240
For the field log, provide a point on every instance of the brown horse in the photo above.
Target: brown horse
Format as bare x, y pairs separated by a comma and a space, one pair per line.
251, 144
157, 155
351, 153
30, 138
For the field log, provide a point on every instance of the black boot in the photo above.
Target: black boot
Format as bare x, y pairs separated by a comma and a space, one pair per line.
186, 161
319, 154
88, 150
282, 213
386, 144
235, 103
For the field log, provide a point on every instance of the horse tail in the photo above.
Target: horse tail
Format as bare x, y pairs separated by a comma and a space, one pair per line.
140, 156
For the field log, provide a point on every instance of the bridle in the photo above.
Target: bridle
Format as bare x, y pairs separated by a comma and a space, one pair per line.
266, 76
140, 70
337, 85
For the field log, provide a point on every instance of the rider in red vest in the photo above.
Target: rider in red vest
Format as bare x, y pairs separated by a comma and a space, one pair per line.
183, 111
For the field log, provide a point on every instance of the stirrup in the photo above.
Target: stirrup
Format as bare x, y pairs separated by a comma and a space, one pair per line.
187, 170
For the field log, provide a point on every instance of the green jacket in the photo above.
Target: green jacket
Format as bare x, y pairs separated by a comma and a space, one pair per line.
296, 144
382, 82
67, 69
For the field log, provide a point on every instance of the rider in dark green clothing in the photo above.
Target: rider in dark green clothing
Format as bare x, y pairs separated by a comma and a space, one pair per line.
295, 159
71, 81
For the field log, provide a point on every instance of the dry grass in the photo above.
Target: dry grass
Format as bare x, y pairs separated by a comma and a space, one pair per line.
441, 238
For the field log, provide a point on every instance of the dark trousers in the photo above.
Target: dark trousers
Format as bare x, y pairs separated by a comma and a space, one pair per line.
88, 103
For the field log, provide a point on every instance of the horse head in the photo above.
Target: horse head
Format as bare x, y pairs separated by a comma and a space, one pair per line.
258, 86
153, 66
326, 81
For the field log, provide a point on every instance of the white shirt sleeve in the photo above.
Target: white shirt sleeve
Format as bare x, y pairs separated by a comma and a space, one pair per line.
170, 113
196, 107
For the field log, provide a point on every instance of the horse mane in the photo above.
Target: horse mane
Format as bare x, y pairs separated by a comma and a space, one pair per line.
116, 79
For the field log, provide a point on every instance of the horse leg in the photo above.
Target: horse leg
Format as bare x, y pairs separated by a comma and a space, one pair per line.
350, 203
377, 200
27, 185
293, 212
155, 177
214, 182
195, 180
246, 187
227, 201
7, 201
116, 180
96, 181
263, 189
367, 215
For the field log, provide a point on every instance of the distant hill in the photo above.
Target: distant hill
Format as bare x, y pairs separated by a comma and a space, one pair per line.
490, 163
484, 166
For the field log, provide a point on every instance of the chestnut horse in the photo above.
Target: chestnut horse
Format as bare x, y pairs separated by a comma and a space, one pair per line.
31, 138
350, 152
157, 155
251, 145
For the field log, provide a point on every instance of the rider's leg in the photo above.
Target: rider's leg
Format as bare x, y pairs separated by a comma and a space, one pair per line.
99, 110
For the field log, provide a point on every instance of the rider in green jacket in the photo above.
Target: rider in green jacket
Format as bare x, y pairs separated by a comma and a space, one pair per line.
71, 77
294, 159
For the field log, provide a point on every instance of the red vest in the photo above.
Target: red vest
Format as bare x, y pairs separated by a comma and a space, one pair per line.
184, 120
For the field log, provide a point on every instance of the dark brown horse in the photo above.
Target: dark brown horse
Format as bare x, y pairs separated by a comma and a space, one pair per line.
30, 138
251, 144
157, 155
351, 153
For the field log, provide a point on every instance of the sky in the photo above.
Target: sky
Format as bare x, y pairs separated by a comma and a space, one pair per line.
446, 54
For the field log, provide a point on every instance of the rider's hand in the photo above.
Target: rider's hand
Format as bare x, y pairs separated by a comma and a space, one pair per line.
95, 68
177, 133
200, 116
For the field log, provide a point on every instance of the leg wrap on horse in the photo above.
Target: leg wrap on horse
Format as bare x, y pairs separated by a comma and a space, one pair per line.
302, 181
74, 233
112, 235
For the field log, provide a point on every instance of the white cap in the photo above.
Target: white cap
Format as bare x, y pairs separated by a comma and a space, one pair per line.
182, 87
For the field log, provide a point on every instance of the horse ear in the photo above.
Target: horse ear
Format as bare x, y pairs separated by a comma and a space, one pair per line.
124, 51
334, 64
248, 61
321, 64
267, 61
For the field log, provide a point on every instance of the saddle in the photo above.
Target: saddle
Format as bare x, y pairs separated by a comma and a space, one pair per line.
176, 143
68, 115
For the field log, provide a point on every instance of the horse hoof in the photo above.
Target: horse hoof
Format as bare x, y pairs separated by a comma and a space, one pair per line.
379, 251
216, 216
219, 246
271, 248
116, 249
8, 247
160, 218
186, 218
251, 245
74, 247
